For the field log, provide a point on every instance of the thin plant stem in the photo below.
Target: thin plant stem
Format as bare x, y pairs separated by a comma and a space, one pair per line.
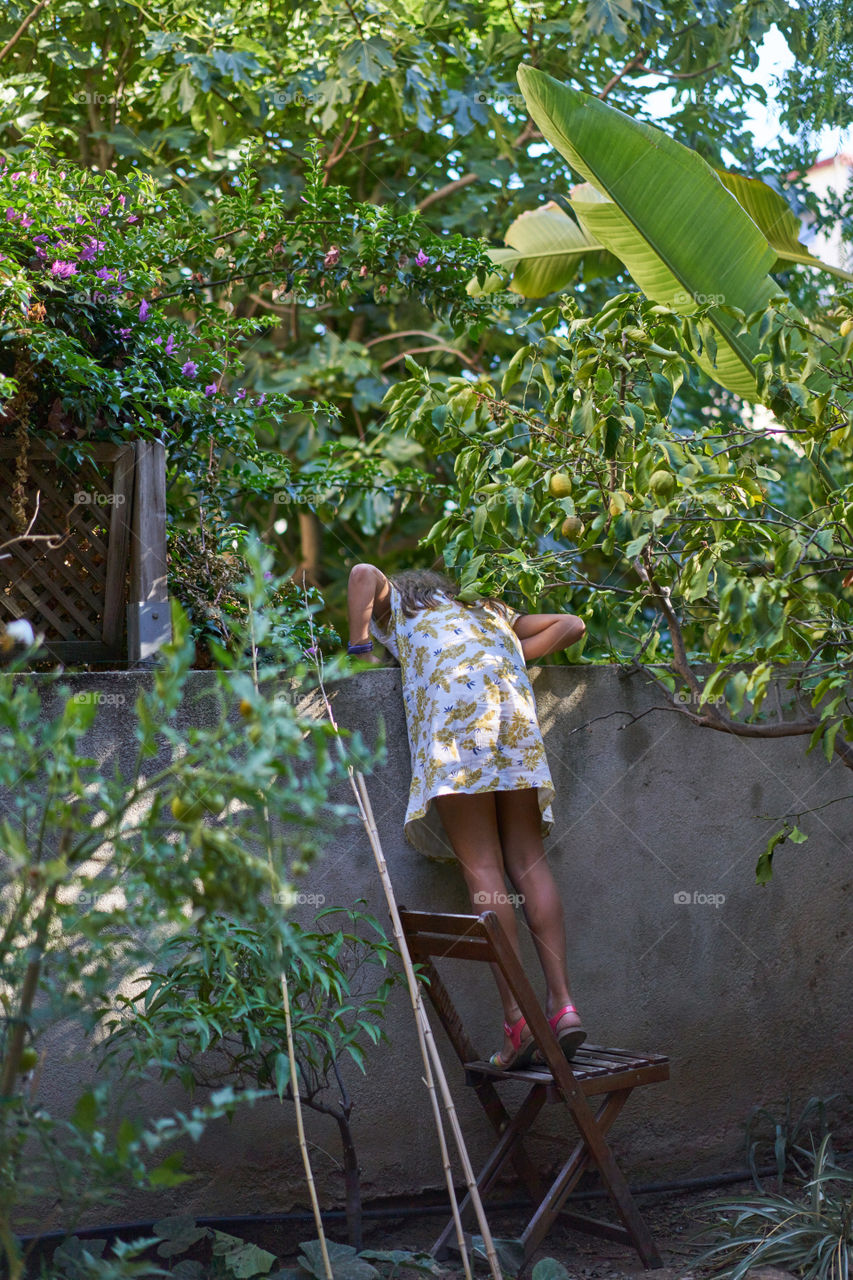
303, 1146
426, 1037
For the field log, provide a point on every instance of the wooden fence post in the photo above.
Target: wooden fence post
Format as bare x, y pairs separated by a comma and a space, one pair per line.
149, 623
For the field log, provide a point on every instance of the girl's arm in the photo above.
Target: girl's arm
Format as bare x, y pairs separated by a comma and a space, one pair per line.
544, 633
368, 593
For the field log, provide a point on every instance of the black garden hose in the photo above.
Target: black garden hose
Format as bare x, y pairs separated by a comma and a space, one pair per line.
707, 1182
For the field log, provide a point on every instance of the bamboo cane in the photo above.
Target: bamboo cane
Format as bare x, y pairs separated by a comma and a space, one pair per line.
425, 1031
429, 1050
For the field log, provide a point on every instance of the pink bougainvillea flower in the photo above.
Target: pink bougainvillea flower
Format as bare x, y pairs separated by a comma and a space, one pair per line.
13, 177
122, 201
62, 270
78, 218
90, 248
143, 310
40, 252
241, 394
131, 217
261, 398
211, 389
422, 258
189, 369
26, 220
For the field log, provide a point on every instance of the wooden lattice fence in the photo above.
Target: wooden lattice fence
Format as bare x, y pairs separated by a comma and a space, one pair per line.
99, 594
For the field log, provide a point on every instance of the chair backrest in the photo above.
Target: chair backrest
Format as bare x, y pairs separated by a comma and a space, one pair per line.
430, 933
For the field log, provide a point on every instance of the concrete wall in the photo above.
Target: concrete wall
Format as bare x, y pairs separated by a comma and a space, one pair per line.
747, 988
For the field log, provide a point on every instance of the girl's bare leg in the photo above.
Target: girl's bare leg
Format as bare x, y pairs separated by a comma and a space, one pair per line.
472, 828
520, 828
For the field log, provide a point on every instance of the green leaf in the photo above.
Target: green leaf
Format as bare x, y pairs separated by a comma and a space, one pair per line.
770, 211
178, 1233
634, 548
583, 417
346, 1265
545, 250
829, 740
243, 1260
612, 432
663, 211
85, 1114
168, 1172
368, 61
549, 1269
510, 1253
662, 393
513, 371
764, 866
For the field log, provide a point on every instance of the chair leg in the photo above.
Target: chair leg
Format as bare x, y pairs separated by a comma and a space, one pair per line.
509, 1139
568, 1177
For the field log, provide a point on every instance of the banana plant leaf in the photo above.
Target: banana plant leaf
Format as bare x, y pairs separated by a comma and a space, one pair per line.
667, 216
780, 225
546, 249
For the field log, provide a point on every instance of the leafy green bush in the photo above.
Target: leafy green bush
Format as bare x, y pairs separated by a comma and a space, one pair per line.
213, 807
211, 1014
810, 1234
787, 1135
226, 1256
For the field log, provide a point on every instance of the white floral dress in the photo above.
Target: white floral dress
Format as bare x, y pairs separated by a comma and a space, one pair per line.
470, 711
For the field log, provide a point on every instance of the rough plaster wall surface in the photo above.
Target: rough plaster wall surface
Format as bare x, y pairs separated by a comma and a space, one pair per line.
746, 987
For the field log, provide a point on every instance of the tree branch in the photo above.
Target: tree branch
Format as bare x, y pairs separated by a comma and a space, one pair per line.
447, 190
34, 13
636, 61
457, 184
415, 351
677, 75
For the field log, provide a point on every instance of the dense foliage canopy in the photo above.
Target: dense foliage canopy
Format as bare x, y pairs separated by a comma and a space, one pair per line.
352, 163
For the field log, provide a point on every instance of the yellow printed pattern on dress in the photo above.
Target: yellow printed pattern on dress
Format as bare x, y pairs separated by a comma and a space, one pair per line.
470, 710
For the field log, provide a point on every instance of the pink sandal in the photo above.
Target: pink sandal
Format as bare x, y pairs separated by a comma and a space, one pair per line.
570, 1039
523, 1053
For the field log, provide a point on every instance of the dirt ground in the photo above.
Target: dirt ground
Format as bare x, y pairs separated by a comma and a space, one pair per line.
674, 1219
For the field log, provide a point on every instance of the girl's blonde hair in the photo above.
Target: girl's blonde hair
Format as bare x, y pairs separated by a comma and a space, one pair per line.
419, 589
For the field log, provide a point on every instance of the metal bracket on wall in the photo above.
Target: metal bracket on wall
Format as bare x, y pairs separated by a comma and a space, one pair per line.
149, 627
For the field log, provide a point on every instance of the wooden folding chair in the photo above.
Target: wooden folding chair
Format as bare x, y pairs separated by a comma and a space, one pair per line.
607, 1074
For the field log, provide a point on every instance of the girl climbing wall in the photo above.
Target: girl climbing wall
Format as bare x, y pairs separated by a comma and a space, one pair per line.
479, 759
